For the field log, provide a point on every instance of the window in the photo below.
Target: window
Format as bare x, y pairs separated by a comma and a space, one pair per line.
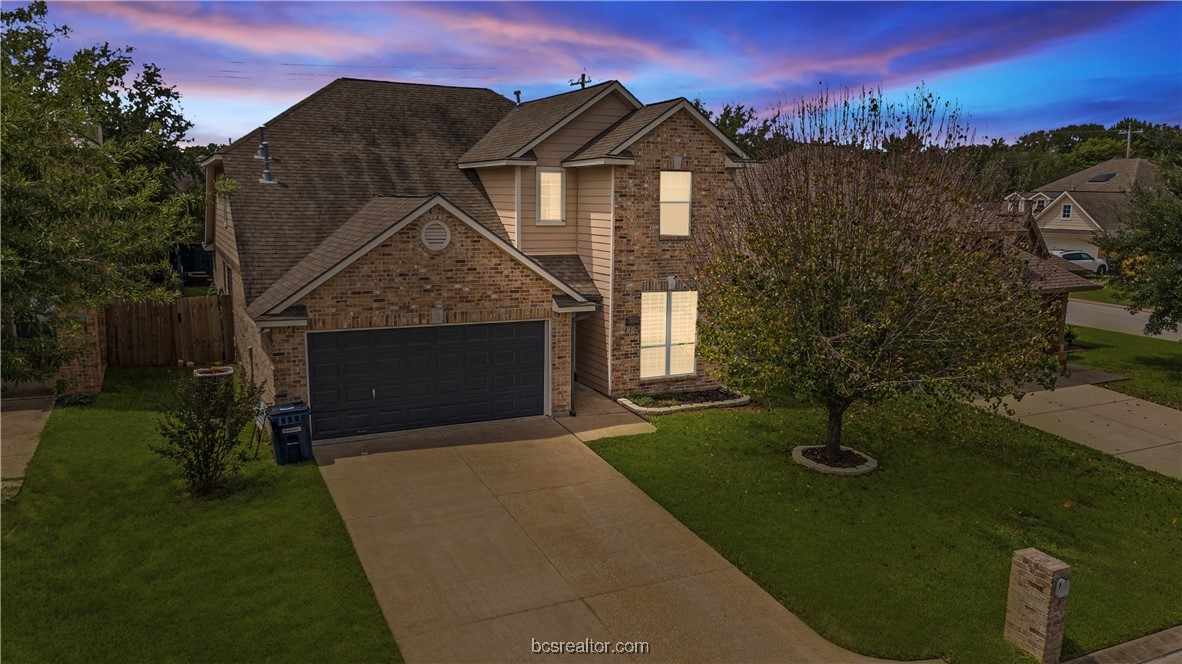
1040, 204
1066, 212
551, 196
675, 202
668, 333
1085, 256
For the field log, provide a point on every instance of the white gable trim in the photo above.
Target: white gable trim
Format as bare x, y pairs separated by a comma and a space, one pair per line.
415, 214
1057, 204
614, 87
683, 105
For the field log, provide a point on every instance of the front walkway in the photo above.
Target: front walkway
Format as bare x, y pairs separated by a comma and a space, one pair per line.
484, 541
1137, 431
21, 421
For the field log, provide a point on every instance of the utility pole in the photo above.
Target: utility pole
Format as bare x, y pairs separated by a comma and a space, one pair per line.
581, 81
1129, 139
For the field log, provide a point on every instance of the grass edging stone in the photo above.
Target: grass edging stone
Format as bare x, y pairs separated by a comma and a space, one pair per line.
862, 469
738, 400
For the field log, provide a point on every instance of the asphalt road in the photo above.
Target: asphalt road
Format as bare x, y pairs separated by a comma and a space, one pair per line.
1112, 317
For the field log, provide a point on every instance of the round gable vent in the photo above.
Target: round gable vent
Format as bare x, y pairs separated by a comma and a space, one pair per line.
436, 235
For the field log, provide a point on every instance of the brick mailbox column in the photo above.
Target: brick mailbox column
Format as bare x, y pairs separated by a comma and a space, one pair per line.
1037, 604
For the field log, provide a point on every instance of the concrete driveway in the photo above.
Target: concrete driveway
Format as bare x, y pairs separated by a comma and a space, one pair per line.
492, 539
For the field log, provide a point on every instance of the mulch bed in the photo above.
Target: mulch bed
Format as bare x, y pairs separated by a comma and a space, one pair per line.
845, 458
666, 399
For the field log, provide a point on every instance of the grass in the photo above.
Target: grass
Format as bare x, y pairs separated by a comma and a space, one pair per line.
1153, 366
1105, 294
195, 291
106, 560
912, 561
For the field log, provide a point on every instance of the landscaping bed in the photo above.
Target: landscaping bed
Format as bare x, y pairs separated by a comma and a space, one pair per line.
671, 402
1153, 367
912, 561
106, 560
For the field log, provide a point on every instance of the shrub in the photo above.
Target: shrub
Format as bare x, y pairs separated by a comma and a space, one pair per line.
1070, 335
202, 429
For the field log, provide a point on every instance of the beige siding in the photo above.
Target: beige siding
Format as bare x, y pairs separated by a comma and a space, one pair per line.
1051, 219
595, 248
555, 239
224, 241
499, 182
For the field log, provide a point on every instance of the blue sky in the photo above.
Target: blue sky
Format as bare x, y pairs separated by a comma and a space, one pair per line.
1015, 67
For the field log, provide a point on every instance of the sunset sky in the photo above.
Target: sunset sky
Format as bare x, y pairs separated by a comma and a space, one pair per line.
1015, 67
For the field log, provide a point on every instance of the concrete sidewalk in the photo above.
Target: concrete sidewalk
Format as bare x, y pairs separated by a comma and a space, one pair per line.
1137, 431
21, 421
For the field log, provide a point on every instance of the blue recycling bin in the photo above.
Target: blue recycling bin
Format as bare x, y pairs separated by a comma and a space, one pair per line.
291, 432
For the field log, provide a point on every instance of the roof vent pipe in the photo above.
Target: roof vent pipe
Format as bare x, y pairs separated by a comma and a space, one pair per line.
517, 93
262, 153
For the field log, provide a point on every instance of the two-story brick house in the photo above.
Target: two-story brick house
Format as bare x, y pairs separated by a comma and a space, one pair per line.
420, 255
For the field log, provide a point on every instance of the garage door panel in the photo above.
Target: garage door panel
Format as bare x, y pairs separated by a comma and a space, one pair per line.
400, 378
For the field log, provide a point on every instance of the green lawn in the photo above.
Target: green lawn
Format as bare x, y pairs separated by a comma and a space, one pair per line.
913, 560
195, 291
105, 561
1105, 294
1153, 366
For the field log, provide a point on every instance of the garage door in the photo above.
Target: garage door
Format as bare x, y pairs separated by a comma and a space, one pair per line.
371, 381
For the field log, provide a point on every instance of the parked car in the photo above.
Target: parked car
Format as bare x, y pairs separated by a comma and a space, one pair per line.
1084, 260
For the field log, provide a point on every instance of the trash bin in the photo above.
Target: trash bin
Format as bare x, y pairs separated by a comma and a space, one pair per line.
291, 432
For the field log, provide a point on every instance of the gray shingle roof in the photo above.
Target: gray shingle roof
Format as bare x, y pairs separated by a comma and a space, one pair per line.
570, 269
342, 146
624, 128
1048, 276
370, 221
527, 122
1104, 201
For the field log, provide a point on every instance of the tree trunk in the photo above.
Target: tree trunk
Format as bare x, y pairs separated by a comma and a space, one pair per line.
836, 411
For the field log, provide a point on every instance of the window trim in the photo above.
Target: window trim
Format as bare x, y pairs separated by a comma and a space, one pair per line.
689, 206
668, 344
1065, 211
561, 221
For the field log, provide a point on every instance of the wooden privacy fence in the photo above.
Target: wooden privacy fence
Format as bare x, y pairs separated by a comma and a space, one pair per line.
188, 329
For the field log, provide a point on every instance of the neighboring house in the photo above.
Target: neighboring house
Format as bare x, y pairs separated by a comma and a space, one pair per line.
1046, 274
419, 255
1072, 210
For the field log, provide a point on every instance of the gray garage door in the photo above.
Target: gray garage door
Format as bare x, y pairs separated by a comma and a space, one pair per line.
371, 381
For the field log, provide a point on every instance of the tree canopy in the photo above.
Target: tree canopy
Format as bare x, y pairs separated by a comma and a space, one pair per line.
89, 216
867, 258
1148, 249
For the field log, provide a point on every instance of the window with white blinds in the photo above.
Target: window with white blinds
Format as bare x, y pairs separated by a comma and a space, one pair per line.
675, 202
551, 196
668, 333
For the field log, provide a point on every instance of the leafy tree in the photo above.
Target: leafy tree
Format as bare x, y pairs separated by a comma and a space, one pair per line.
202, 429
87, 219
743, 125
848, 272
1149, 250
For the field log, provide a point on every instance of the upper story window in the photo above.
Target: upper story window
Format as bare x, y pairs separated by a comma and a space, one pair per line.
675, 202
668, 333
1066, 212
551, 195
1040, 204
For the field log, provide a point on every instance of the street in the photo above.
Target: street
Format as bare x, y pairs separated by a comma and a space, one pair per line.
1112, 317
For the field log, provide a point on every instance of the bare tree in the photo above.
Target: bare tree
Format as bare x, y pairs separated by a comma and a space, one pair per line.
870, 258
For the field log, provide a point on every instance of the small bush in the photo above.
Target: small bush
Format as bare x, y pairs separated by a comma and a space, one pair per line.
1070, 335
201, 429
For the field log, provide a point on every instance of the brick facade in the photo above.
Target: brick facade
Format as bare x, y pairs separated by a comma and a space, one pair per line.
1034, 615
401, 283
85, 372
644, 261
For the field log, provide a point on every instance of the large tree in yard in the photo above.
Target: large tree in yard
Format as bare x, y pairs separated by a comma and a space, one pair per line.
865, 260
87, 218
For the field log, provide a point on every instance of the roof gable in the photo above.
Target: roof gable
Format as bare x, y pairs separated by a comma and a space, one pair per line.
531, 123
370, 227
615, 140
